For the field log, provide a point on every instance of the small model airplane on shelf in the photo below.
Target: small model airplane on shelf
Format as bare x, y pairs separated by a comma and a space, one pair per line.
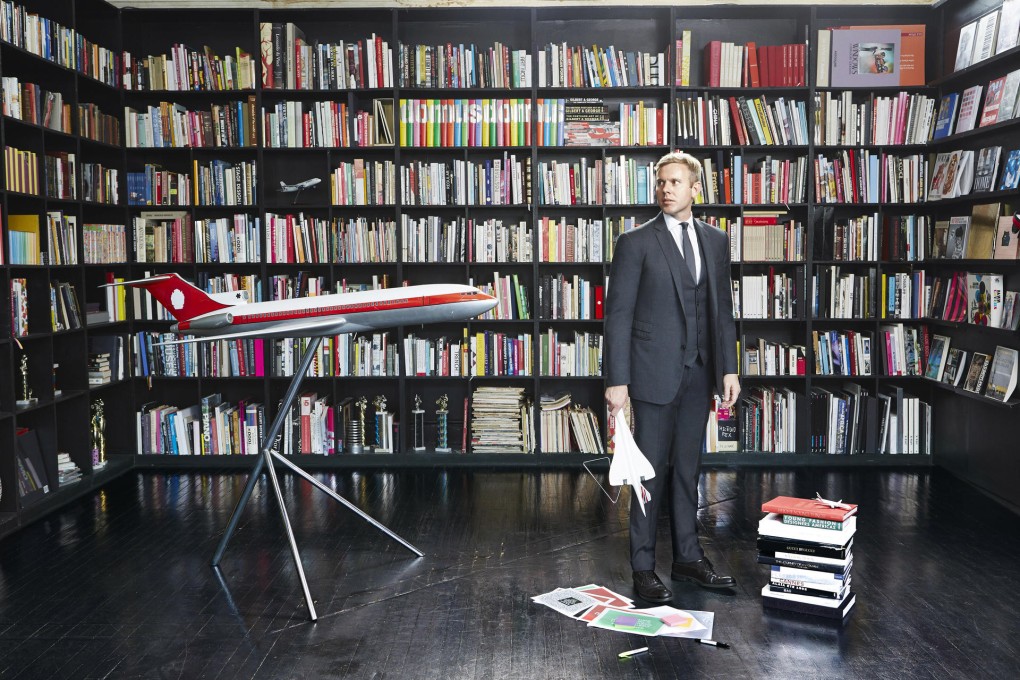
218, 316
297, 188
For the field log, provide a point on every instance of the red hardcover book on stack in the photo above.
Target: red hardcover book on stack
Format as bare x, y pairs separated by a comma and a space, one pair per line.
808, 507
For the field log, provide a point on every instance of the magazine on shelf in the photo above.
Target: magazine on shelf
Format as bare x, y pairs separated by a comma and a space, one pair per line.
1002, 375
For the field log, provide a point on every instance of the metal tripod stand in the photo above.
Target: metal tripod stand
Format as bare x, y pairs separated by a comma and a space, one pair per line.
267, 457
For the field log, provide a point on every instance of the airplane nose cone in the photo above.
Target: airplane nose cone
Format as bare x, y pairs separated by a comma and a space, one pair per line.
484, 304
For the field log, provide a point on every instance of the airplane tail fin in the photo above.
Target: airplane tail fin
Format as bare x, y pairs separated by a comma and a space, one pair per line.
182, 299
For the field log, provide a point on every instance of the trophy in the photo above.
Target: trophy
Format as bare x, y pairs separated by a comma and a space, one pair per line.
356, 428
98, 435
27, 399
442, 425
382, 427
419, 424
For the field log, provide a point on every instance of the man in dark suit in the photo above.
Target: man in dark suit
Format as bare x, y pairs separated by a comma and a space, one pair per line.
671, 343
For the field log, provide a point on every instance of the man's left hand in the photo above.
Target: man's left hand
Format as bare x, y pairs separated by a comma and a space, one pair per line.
731, 389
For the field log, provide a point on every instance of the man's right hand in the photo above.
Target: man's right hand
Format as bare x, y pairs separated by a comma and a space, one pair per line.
616, 397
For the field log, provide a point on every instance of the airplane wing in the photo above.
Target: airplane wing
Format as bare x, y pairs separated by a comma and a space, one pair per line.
629, 466
296, 329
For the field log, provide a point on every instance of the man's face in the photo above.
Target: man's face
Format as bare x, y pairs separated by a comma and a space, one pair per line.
674, 191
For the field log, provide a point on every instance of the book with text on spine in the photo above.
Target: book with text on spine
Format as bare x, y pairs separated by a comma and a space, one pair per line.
807, 507
803, 604
772, 526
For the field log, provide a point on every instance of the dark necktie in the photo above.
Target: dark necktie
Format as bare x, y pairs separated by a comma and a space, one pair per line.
688, 249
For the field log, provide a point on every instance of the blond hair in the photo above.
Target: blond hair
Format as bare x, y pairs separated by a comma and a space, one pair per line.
681, 158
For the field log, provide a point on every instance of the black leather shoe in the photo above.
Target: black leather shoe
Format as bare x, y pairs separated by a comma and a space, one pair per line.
650, 589
702, 573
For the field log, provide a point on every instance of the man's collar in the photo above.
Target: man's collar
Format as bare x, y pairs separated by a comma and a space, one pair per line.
672, 221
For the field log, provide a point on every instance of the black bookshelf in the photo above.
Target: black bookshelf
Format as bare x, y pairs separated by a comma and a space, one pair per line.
146, 31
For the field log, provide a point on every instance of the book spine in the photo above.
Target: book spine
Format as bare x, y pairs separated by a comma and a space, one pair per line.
812, 522
784, 509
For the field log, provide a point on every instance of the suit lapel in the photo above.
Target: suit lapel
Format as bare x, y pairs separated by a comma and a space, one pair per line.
673, 258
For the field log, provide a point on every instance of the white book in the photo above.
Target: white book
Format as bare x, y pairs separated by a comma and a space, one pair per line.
1007, 107
772, 525
1009, 26
806, 575
808, 599
969, 108
984, 40
965, 46
822, 65
831, 586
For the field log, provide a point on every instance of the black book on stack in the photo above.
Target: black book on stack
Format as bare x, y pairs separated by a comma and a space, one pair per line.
808, 547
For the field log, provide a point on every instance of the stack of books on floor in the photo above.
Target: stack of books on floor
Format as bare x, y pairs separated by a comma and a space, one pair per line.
808, 547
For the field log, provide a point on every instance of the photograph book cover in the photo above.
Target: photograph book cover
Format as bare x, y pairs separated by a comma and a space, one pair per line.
865, 57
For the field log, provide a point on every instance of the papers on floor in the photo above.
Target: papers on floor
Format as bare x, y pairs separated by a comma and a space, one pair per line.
602, 608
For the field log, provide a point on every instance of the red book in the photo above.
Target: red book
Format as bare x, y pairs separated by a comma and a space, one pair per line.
807, 507
464, 434
599, 294
763, 66
713, 62
752, 65
738, 122
776, 64
800, 78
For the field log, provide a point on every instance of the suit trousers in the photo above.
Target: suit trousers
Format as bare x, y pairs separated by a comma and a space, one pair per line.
670, 436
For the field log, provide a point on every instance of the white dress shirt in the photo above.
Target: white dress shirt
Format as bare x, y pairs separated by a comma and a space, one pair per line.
677, 232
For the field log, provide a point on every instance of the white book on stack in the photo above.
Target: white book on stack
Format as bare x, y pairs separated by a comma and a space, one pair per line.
772, 525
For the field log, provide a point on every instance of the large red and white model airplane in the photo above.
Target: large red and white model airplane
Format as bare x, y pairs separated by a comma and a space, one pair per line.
217, 316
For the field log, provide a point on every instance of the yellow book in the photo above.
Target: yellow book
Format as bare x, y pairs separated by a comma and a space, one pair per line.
759, 108
884, 293
430, 123
403, 122
480, 353
513, 108
685, 59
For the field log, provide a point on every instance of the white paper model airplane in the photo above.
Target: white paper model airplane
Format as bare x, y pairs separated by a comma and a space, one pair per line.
297, 188
215, 316
629, 465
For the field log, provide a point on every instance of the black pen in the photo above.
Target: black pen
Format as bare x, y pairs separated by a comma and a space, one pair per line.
713, 643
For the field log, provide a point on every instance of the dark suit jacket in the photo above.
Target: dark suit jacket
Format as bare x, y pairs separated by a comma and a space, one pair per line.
645, 324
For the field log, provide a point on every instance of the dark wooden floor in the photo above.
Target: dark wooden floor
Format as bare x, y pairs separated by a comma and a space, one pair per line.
119, 585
